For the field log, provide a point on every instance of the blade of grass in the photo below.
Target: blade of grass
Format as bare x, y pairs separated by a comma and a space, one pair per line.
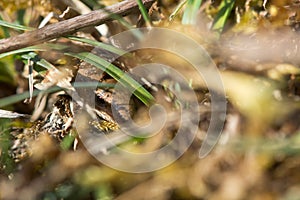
138, 90
46, 20
176, 11
107, 47
144, 13
43, 47
21, 16
5, 30
35, 58
190, 13
17, 98
10, 115
15, 26
225, 9
27, 49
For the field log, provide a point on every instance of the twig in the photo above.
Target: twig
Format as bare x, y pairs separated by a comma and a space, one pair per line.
70, 26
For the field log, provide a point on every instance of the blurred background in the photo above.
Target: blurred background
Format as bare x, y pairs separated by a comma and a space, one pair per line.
254, 45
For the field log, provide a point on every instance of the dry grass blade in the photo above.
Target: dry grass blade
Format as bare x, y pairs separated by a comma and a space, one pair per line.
9, 114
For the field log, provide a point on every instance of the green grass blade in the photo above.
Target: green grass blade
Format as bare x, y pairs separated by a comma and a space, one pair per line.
144, 12
24, 50
39, 61
190, 12
43, 47
138, 90
15, 26
21, 15
225, 9
107, 47
16, 98
5, 30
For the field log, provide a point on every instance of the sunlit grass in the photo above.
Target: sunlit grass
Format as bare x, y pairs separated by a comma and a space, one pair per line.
224, 11
144, 12
191, 11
